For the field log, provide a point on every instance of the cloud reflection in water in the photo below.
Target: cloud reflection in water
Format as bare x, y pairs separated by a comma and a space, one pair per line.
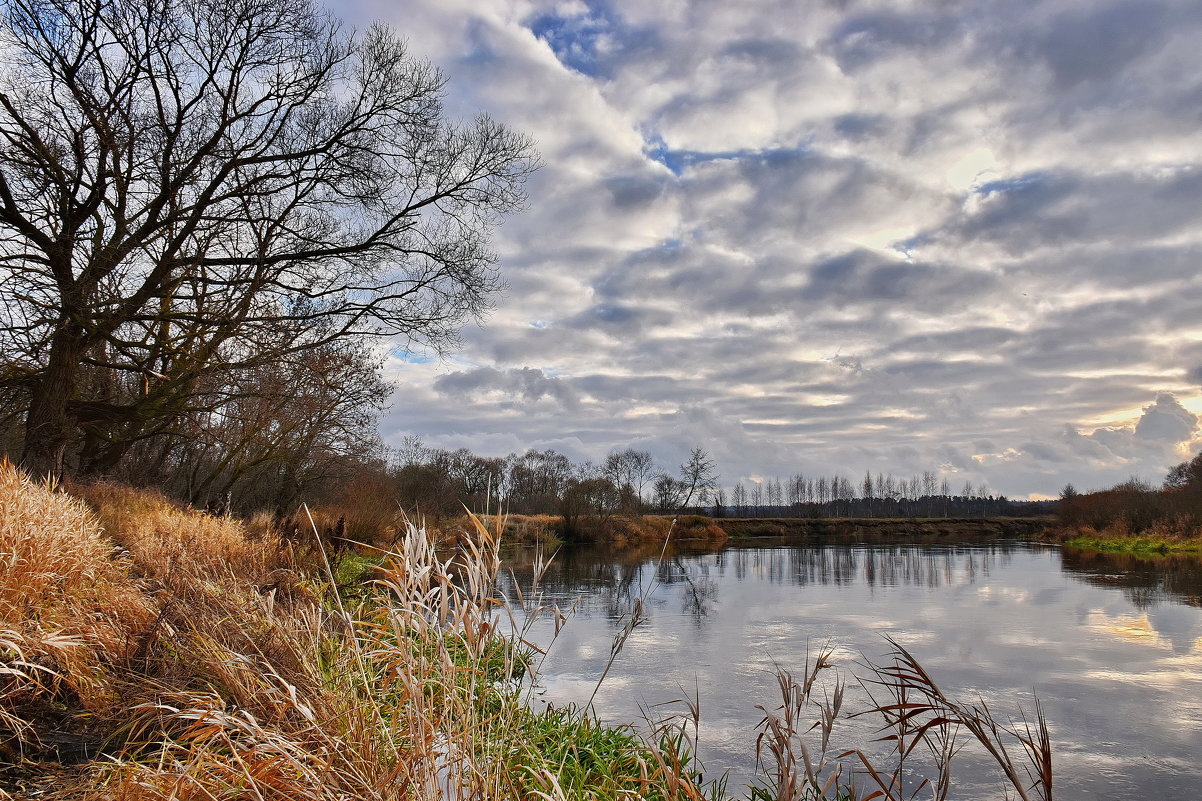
1110, 645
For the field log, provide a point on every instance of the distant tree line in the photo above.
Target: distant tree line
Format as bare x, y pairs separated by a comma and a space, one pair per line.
928, 494
629, 481
1136, 507
439, 482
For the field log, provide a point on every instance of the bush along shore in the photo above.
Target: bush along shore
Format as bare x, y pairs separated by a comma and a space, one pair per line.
155, 652
1134, 517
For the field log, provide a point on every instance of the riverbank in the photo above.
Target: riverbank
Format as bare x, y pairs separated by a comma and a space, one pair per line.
1176, 534
845, 530
616, 530
1119, 541
151, 652
633, 531
155, 652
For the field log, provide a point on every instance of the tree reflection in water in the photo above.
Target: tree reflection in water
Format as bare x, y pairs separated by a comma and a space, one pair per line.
609, 581
1113, 644
1144, 580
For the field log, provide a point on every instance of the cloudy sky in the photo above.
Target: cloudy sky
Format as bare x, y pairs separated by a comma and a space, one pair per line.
833, 235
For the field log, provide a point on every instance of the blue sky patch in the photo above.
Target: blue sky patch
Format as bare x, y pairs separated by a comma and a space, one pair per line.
1022, 182
595, 44
680, 160
581, 42
412, 357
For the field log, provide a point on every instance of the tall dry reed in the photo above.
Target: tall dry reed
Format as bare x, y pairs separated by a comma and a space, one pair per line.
924, 728
206, 663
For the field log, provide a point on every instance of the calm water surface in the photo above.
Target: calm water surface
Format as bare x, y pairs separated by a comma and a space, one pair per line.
1111, 645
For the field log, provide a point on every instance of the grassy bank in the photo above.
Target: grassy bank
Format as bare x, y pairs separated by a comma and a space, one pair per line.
618, 530
1180, 534
1135, 518
154, 652
633, 531
1122, 542
151, 652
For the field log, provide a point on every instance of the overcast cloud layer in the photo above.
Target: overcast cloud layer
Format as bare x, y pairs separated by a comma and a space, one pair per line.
834, 236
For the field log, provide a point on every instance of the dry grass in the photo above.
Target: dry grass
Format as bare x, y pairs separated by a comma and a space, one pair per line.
923, 728
1173, 535
70, 616
526, 529
209, 665
165, 539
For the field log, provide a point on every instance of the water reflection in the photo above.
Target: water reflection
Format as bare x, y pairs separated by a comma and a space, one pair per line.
612, 579
1144, 580
1113, 645
609, 581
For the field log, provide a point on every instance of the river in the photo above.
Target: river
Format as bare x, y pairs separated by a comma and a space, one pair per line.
1112, 646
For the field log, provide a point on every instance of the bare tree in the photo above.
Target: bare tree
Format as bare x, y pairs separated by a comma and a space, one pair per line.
698, 476
278, 429
795, 490
537, 480
1184, 475
667, 493
914, 488
738, 497
181, 181
930, 480
631, 470
718, 496
774, 492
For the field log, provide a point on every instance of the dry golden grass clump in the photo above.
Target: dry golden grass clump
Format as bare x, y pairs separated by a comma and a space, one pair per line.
526, 529
163, 538
408, 695
176, 672
690, 527
623, 531
55, 565
69, 613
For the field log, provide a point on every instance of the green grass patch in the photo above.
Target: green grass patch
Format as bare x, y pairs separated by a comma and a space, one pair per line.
1134, 545
590, 760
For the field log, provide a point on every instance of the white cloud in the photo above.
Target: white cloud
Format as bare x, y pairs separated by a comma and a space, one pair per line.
1166, 420
835, 236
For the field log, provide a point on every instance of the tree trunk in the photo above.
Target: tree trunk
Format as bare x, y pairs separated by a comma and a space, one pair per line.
100, 455
48, 423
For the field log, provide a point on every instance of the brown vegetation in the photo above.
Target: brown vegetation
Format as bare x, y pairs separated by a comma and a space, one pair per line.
617, 530
70, 618
1134, 516
188, 659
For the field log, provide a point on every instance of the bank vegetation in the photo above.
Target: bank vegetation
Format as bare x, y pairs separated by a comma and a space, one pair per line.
1134, 516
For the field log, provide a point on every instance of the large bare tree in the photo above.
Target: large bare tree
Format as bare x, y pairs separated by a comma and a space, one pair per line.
183, 183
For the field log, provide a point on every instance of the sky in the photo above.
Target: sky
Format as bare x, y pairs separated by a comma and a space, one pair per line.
830, 236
